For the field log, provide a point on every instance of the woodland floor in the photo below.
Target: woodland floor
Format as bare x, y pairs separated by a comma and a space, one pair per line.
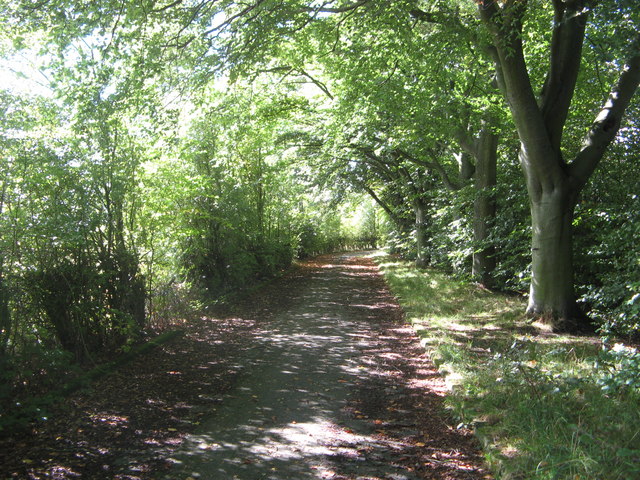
315, 376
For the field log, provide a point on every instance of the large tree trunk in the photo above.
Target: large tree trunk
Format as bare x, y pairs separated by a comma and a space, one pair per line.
552, 295
553, 182
484, 206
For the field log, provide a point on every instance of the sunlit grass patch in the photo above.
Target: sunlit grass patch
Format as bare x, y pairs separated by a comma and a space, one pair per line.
542, 404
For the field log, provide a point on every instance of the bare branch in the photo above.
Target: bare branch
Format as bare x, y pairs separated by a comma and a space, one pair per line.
346, 8
570, 21
435, 166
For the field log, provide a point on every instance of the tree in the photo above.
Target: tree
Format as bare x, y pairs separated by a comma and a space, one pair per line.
553, 182
413, 76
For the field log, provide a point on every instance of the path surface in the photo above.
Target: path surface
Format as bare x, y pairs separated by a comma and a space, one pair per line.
317, 378
317, 390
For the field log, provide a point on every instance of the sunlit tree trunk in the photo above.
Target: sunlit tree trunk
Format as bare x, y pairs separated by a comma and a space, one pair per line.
553, 182
483, 148
484, 206
552, 295
422, 255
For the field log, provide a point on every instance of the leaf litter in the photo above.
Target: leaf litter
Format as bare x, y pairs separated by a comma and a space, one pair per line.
129, 425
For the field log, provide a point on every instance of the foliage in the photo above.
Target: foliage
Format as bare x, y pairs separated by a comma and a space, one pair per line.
607, 226
187, 150
511, 233
620, 368
386, 125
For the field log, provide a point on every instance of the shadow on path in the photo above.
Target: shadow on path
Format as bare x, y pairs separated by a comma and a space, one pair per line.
324, 393
318, 377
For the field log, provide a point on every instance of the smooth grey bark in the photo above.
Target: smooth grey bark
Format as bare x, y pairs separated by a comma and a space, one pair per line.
422, 256
552, 288
484, 205
484, 150
553, 184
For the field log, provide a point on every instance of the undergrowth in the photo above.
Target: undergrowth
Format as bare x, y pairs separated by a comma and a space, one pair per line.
22, 408
545, 406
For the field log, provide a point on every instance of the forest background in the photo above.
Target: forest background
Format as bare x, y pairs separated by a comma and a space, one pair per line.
156, 155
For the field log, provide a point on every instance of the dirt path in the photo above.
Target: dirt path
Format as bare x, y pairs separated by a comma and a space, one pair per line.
317, 378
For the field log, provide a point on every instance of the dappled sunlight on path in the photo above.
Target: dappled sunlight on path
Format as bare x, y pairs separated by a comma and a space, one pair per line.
297, 410
317, 377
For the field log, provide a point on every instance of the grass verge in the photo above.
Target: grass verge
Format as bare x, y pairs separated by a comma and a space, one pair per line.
545, 406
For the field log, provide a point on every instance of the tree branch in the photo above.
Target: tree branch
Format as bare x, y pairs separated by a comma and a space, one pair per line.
542, 170
382, 204
570, 20
607, 123
409, 181
231, 19
493, 53
167, 7
489, 11
346, 8
435, 166
465, 141
376, 161
317, 83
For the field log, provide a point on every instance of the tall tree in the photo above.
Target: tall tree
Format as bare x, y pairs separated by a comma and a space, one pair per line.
554, 181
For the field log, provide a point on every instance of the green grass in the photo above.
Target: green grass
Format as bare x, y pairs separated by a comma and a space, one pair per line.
536, 400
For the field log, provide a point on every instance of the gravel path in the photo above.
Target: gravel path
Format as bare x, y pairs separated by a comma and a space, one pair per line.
317, 388
314, 376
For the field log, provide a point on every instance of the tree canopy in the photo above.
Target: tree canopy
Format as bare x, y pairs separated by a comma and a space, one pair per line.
153, 149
